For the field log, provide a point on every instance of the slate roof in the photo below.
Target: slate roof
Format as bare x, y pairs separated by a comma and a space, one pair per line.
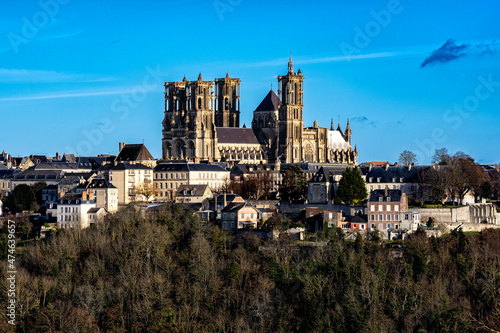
124, 166
8, 173
234, 207
68, 158
56, 166
94, 210
239, 169
376, 194
134, 152
325, 173
100, 183
39, 174
91, 162
397, 172
356, 219
3, 167
270, 103
165, 167
236, 135
198, 190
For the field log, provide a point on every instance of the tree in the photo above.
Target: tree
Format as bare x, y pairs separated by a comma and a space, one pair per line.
352, 188
434, 184
22, 198
407, 158
465, 175
146, 189
441, 157
37, 189
486, 190
294, 184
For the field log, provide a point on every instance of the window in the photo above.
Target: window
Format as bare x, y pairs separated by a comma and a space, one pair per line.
396, 208
330, 215
380, 208
380, 199
362, 226
372, 217
372, 208
388, 217
380, 226
388, 208
372, 226
396, 217
406, 216
381, 217
388, 226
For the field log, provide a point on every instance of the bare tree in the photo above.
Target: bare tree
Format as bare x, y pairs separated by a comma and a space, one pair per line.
407, 158
147, 190
441, 157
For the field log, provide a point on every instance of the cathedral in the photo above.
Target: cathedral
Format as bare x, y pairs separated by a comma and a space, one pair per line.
202, 124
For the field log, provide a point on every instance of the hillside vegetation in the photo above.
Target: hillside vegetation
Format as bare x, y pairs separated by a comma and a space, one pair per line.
173, 274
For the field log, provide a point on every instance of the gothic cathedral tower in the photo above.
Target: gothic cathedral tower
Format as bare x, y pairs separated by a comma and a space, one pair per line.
189, 123
227, 102
291, 123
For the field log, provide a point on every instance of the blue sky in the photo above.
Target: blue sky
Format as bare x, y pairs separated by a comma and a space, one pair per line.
80, 76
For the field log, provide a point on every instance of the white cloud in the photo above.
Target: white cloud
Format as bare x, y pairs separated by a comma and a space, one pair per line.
38, 76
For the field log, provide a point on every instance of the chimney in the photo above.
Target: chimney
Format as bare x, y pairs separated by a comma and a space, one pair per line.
224, 202
215, 205
370, 166
409, 166
58, 157
120, 146
91, 195
84, 195
386, 191
387, 167
61, 194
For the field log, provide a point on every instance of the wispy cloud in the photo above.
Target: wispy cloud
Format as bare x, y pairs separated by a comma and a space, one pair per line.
364, 121
73, 94
39, 76
450, 51
280, 61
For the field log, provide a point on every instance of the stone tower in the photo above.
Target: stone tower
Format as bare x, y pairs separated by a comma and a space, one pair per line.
291, 123
189, 123
227, 102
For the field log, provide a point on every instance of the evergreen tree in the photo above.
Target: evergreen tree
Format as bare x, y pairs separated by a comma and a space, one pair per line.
294, 185
352, 187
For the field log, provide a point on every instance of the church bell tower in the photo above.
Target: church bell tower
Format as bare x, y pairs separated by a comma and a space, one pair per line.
291, 123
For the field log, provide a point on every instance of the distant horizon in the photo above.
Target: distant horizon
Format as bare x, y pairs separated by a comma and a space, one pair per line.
79, 78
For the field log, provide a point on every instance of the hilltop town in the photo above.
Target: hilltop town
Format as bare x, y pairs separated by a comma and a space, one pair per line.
277, 176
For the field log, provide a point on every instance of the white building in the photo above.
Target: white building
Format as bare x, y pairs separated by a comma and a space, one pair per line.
169, 177
73, 208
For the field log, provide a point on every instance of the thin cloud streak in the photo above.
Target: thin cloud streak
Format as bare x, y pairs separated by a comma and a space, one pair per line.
73, 94
8, 75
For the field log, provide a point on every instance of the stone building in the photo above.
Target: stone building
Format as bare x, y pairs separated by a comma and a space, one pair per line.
201, 124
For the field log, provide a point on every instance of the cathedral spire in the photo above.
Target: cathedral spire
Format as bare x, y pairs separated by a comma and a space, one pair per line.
200, 78
290, 64
331, 126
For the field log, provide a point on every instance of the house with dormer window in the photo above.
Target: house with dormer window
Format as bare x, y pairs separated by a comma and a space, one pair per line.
385, 208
